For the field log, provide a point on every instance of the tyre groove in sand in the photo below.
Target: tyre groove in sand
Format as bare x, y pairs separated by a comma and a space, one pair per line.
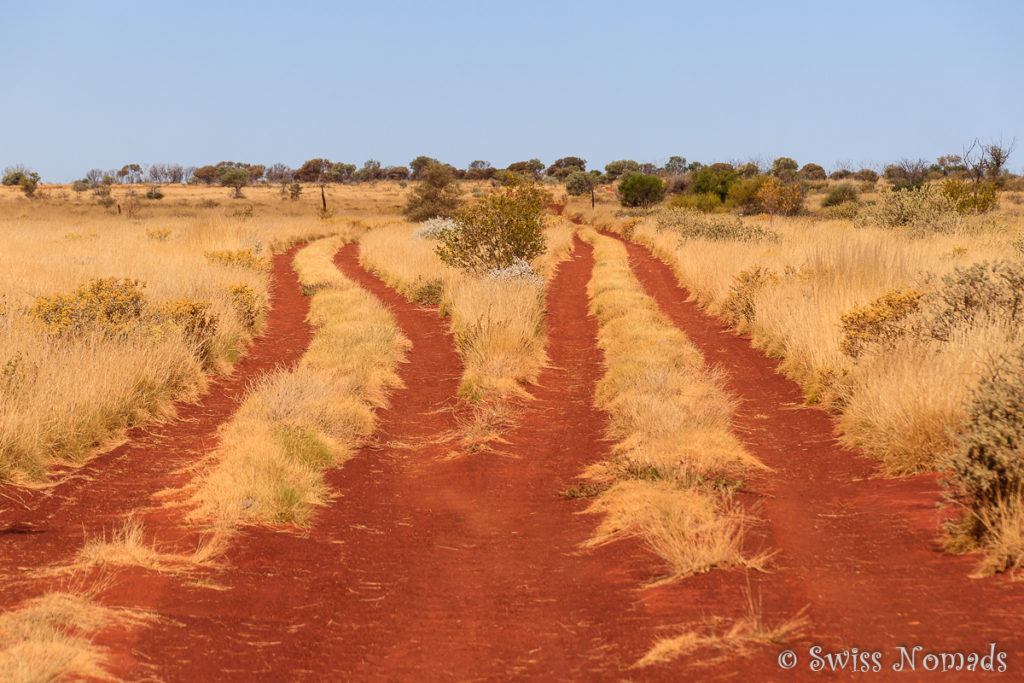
431, 568
862, 551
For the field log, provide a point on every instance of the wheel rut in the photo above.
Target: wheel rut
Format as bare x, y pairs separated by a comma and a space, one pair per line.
862, 551
430, 567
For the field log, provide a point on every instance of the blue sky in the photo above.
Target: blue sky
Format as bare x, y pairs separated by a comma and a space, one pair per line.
103, 84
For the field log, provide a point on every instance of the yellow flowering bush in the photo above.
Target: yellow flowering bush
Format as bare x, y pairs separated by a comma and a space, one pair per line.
246, 304
113, 305
239, 258
879, 322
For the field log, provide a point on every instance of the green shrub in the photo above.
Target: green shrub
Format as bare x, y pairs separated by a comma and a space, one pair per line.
866, 175
637, 189
985, 291
437, 195
981, 199
705, 203
844, 211
813, 172
988, 464
579, 183
506, 226
784, 167
840, 194
715, 179
80, 185
691, 224
920, 210
743, 195
154, 192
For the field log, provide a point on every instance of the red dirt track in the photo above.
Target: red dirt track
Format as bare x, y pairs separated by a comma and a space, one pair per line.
432, 568
862, 551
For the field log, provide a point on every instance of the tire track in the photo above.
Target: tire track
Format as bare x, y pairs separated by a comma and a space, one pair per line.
427, 567
862, 551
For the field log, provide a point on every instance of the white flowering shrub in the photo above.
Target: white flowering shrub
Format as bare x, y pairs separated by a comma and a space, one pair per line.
431, 228
517, 270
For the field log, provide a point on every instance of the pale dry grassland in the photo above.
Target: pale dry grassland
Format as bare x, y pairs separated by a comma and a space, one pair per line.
64, 396
294, 424
902, 406
675, 459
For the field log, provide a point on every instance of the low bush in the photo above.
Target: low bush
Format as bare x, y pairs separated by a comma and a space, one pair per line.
923, 210
154, 192
690, 224
879, 323
437, 194
246, 304
239, 258
505, 226
431, 228
193, 319
637, 189
114, 306
840, 194
743, 195
705, 203
988, 465
739, 307
979, 200
844, 211
989, 291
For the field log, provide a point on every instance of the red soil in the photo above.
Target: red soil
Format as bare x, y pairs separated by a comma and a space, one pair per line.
48, 527
427, 567
862, 551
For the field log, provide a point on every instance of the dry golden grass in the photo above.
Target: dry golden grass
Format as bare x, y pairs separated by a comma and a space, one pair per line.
293, 425
675, 458
63, 397
49, 638
737, 638
1003, 542
127, 547
901, 406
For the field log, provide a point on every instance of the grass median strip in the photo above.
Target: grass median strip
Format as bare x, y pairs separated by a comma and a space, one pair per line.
295, 423
675, 463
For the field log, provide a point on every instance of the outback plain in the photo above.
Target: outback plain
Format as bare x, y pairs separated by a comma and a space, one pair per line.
737, 421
